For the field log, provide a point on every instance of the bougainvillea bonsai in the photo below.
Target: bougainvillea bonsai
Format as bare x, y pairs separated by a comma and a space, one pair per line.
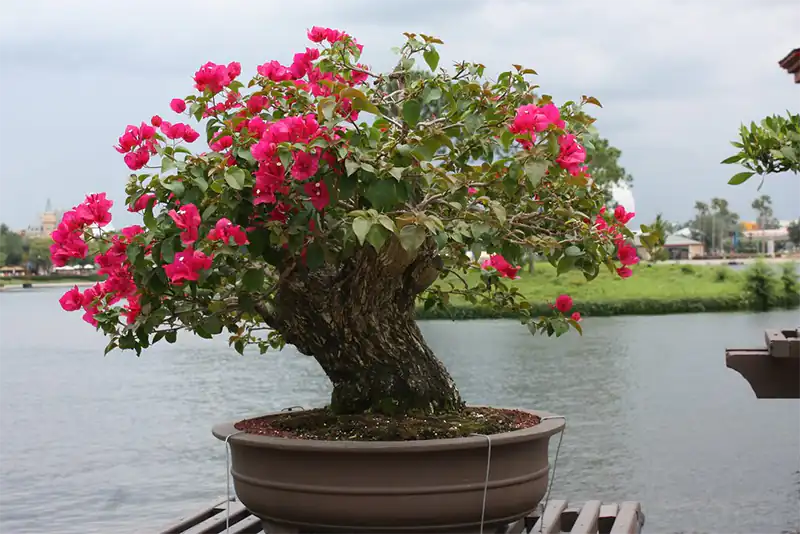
328, 202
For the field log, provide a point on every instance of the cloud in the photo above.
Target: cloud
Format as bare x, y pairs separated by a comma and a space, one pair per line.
676, 78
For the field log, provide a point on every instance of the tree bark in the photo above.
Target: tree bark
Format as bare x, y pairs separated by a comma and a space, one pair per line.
357, 321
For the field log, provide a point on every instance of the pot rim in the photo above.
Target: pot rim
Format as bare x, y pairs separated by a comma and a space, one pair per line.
544, 429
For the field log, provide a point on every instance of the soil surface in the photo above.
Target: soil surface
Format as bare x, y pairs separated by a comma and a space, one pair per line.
323, 424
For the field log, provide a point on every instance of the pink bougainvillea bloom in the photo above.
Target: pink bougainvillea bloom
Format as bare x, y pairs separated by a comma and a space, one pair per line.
173, 131
623, 216
177, 105
187, 266
624, 272
501, 265
234, 70
256, 103
571, 154
318, 194
305, 166
155, 121
317, 34
472, 191
71, 300
190, 135
132, 310
187, 218
212, 77
220, 144
142, 202
564, 303
131, 231
256, 126
274, 71
96, 209
576, 317
627, 255
225, 230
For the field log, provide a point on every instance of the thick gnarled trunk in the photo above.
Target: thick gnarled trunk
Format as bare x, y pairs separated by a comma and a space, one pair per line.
357, 321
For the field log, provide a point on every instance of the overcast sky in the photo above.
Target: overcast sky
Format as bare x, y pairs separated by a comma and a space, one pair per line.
676, 78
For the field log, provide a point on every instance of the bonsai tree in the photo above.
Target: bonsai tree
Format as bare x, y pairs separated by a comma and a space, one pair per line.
323, 208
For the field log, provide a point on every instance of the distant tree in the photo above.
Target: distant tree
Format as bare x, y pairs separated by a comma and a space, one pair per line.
10, 246
714, 223
36, 257
794, 232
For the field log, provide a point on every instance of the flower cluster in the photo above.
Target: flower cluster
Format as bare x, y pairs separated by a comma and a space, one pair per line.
625, 253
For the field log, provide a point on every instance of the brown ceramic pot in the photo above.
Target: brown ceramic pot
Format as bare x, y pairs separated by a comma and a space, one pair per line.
400, 486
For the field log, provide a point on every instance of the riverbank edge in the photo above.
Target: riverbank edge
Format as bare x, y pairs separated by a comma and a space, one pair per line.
639, 306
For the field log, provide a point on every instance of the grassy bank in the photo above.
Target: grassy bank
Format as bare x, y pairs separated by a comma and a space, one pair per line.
653, 290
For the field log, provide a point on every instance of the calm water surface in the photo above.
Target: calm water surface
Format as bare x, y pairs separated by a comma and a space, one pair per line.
118, 444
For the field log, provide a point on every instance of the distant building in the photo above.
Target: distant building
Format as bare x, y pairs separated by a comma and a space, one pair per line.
48, 221
791, 64
678, 247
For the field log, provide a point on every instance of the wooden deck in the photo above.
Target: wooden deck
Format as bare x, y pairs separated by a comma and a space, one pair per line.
592, 517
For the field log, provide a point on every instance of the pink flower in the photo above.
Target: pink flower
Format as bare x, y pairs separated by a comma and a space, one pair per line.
71, 247
274, 71
173, 131
234, 70
187, 266
256, 126
213, 77
471, 191
530, 119
499, 263
131, 231
177, 105
564, 303
132, 310
95, 209
318, 193
305, 165
623, 216
224, 230
576, 317
256, 103
190, 135
142, 202
571, 154
624, 272
155, 121
71, 300
226, 141
627, 255
187, 218
317, 34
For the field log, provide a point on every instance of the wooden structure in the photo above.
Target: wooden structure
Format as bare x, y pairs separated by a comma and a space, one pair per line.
592, 517
791, 64
773, 371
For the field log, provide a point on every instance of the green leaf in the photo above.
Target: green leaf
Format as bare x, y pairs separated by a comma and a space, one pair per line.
167, 164
326, 107
377, 236
382, 194
351, 166
411, 112
412, 237
565, 264
499, 212
246, 155
387, 223
431, 58
733, 159
253, 280
176, 187
360, 229
212, 325
171, 336
431, 94
573, 251
740, 178
534, 171
397, 172
315, 255
168, 250
200, 182
235, 177
472, 122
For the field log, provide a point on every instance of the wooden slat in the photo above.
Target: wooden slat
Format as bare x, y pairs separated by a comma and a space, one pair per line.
517, 527
608, 513
587, 522
628, 519
249, 525
550, 521
280, 529
183, 524
218, 522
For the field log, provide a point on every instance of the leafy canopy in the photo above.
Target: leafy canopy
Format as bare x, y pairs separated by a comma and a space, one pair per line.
310, 162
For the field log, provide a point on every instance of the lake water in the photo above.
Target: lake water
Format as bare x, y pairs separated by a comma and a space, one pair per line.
118, 444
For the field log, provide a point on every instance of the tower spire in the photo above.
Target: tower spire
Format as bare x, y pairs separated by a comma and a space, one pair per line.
48, 207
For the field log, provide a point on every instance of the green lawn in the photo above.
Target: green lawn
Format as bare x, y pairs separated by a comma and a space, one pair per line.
652, 289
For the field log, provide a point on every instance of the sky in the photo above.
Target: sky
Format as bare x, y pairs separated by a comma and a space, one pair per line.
676, 79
